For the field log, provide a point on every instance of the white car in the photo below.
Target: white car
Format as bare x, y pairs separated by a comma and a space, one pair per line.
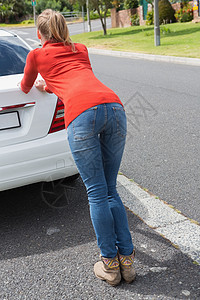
33, 139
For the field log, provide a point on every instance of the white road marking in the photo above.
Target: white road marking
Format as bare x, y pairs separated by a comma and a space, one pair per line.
163, 218
33, 41
20, 32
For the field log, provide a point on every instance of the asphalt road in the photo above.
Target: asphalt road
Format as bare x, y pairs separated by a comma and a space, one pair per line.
163, 107
30, 35
162, 100
48, 253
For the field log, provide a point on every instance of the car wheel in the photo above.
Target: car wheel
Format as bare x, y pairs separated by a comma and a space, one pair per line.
59, 193
72, 178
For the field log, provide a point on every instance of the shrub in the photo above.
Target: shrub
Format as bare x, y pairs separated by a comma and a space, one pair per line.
184, 14
165, 30
94, 15
30, 21
130, 4
166, 12
135, 20
150, 18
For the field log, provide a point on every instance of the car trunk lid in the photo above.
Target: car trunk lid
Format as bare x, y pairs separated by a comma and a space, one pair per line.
23, 117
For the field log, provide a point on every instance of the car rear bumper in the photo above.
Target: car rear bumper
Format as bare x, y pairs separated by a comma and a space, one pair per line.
43, 159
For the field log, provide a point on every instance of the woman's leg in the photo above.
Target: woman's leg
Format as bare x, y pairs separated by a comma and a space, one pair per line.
112, 146
98, 157
83, 136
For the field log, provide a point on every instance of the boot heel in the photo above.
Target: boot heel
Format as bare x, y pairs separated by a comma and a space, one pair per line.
126, 266
108, 269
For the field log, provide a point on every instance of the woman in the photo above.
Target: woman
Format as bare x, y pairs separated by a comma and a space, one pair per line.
96, 126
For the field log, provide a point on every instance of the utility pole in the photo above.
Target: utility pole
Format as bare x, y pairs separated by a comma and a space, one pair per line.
34, 16
88, 16
156, 24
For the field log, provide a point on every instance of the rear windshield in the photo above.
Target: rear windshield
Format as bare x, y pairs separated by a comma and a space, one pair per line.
13, 54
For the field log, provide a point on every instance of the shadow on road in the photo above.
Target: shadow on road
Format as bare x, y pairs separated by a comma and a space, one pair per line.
29, 227
28, 224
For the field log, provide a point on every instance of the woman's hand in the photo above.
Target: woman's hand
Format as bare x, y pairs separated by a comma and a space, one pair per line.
40, 85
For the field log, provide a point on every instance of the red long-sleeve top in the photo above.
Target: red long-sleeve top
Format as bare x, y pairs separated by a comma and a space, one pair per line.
69, 75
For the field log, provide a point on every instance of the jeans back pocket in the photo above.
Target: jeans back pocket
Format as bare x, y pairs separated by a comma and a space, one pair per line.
84, 124
121, 120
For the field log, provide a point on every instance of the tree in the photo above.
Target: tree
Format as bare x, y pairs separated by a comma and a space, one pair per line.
28, 7
128, 4
166, 12
5, 10
15, 9
118, 4
150, 2
101, 6
66, 5
18, 8
11, 10
44, 4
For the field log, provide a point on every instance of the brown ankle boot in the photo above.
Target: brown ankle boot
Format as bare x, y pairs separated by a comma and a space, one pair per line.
108, 269
126, 266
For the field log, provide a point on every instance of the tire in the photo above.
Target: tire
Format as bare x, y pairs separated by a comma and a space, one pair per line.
57, 194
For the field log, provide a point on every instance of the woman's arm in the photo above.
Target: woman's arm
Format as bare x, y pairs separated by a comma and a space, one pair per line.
30, 73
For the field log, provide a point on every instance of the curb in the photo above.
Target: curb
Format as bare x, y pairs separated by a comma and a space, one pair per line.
152, 57
17, 27
132, 55
166, 220
32, 26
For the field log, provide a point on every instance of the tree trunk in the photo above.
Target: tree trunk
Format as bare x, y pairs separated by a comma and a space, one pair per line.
105, 21
102, 23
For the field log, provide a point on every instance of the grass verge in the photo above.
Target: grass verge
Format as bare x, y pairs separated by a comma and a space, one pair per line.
178, 39
25, 23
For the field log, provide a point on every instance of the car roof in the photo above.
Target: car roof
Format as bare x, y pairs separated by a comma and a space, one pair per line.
4, 32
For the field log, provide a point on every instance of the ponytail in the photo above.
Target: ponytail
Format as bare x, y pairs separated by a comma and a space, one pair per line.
53, 27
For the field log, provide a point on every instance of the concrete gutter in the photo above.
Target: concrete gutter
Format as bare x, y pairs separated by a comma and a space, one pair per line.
152, 57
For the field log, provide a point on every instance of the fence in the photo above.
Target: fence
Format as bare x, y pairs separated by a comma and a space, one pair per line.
73, 15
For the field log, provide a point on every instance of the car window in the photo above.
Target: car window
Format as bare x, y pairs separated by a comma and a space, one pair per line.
13, 54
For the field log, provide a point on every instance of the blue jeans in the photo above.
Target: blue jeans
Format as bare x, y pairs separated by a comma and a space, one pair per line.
97, 140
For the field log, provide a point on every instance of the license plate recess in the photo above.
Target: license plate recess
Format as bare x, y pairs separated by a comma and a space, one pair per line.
9, 120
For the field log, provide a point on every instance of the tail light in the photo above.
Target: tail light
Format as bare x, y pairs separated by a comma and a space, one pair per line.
58, 122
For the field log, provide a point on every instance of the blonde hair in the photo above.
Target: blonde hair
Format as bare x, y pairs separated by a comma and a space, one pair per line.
53, 27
